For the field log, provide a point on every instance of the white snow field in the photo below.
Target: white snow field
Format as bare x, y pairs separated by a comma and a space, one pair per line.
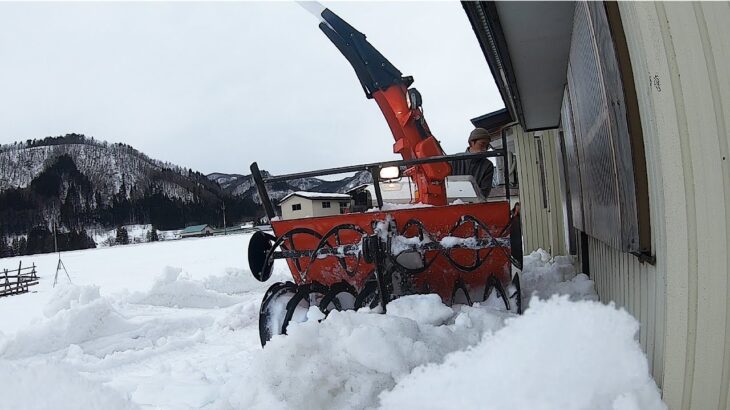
174, 325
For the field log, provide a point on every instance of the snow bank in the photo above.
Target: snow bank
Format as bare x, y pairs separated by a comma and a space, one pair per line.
47, 386
348, 359
234, 281
176, 289
74, 315
69, 296
544, 276
558, 355
90, 329
424, 309
170, 348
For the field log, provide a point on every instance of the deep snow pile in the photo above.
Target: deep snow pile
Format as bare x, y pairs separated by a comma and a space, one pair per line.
558, 355
191, 341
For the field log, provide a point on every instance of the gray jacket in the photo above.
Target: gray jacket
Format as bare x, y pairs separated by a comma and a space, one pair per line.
482, 170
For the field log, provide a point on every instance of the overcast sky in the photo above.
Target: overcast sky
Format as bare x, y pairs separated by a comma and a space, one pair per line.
216, 86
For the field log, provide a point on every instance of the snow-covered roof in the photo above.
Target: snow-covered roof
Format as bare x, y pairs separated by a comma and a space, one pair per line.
194, 229
357, 188
316, 195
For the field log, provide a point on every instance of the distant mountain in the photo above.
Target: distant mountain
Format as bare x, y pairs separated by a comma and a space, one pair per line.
243, 186
78, 183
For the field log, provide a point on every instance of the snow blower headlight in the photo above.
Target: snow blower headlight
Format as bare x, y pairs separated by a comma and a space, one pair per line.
389, 173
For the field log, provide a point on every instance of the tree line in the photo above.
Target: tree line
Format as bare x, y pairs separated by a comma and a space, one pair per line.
63, 196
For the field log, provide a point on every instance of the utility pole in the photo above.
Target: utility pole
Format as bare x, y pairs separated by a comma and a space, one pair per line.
225, 228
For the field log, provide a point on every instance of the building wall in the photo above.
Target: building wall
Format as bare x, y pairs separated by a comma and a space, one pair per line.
334, 208
636, 287
680, 56
542, 226
305, 212
310, 208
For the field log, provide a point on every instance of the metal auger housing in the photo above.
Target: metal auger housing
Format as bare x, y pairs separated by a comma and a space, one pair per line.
375, 257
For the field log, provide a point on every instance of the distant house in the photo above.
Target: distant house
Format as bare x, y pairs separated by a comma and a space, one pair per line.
196, 231
302, 204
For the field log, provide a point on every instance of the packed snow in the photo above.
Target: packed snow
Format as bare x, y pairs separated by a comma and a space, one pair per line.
174, 325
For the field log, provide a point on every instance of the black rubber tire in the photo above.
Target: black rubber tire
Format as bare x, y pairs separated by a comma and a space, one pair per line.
272, 295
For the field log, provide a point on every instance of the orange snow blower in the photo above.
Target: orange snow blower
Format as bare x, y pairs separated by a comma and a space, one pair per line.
460, 251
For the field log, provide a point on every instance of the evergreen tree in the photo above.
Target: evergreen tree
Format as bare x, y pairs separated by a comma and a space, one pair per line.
20, 246
122, 236
152, 235
4, 248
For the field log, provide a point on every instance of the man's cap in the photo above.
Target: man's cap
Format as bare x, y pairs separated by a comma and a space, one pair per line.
479, 134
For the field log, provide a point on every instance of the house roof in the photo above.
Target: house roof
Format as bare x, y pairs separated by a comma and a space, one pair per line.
357, 188
194, 229
316, 195
493, 121
526, 45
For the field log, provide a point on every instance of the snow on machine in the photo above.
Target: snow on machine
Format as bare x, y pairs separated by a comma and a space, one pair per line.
460, 251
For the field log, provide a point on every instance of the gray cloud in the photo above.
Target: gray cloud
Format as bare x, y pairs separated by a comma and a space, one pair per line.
215, 86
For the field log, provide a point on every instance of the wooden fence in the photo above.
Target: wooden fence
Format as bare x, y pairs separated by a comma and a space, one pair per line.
17, 281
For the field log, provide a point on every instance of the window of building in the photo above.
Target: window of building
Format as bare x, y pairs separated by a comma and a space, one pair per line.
296, 207
325, 204
344, 206
603, 139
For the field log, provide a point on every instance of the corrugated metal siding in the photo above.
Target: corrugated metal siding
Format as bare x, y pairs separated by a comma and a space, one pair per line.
636, 287
680, 54
542, 227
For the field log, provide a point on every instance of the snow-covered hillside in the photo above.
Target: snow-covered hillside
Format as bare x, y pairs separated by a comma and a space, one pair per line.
244, 185
173, 325
106, 165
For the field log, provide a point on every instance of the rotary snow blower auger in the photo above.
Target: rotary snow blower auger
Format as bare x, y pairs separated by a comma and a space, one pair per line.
462, 252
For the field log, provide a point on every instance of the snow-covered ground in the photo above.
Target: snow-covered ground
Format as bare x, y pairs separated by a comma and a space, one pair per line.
173, 325
136, 234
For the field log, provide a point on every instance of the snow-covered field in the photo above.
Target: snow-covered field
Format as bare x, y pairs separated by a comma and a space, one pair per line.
173, 325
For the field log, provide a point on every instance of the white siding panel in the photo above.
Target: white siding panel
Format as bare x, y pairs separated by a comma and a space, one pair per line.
680, 55
619, 278
541, 227
688, 27
713, 21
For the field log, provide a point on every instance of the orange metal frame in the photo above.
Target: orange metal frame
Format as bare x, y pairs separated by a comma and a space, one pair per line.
411, 143
440, 277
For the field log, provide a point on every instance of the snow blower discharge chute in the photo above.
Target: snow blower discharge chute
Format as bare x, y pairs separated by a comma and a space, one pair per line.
462, 252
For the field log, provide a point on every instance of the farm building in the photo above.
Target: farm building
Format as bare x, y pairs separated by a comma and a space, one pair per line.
621, 113
302, 204
196, 231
